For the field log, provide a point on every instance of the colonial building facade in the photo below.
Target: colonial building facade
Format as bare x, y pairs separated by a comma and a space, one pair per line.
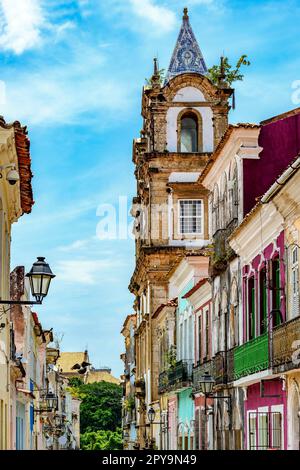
216, 282
36, 410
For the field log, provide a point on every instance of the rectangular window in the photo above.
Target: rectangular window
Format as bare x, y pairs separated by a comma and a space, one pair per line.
207, 334
295, 283
191, 216
199, 338
276, 292
265, 430
263, 300
251, 309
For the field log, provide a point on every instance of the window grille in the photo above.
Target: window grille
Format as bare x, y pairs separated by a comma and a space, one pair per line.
191, 215
265, 431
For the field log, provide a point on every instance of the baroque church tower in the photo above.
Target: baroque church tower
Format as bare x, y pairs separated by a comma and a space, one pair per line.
184, 118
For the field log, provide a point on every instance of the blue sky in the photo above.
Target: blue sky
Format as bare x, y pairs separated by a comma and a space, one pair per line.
73, 72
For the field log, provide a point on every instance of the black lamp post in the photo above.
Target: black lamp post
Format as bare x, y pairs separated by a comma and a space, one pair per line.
151, 415
40, 277
48, 404
52, 401
206, 386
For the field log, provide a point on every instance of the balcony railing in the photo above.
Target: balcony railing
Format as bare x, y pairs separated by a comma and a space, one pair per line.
251, 357
163, 382
230, 365
284, 346
200, 370
220, 368
177, 377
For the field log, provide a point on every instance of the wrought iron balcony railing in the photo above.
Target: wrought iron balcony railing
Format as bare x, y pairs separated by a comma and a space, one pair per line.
220, 368
284, 346
163, 382
251, 357
177, 377
230, 365
200, 370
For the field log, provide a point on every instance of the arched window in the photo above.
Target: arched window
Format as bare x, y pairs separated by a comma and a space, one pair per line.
189, 132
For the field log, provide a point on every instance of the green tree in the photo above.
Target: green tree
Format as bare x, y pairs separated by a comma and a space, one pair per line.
102, 440
75, 382
231, 74
100, 408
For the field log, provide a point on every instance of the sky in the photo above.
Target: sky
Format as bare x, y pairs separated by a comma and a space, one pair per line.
73, 72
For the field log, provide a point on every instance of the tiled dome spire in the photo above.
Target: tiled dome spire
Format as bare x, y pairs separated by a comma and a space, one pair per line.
187, 56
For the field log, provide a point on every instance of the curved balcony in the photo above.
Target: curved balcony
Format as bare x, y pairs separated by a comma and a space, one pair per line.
284, 346
176, 378
251, 357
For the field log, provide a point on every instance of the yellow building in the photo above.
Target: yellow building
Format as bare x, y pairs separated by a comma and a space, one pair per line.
15, 200
68, 363
101, 375
77, 364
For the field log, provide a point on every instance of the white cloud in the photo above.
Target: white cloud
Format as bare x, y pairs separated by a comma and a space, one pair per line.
160, 17
20, 23
76, 245
85, 271
65, 92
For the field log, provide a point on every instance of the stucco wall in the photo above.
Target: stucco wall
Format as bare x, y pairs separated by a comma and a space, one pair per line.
281, 144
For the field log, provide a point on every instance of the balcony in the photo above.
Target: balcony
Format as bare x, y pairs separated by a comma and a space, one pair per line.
163, 382
230, 365
177, 377
140, 388
200, 370
251, 357
283, 338
220, 368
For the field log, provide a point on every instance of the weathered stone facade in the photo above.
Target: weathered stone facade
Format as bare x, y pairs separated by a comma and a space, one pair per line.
165, 177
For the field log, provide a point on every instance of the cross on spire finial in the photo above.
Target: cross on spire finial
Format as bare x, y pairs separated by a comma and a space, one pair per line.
185, 13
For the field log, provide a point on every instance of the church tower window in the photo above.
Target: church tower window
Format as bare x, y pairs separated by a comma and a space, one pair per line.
189, 133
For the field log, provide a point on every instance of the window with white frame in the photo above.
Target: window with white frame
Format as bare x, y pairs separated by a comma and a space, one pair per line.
191, 216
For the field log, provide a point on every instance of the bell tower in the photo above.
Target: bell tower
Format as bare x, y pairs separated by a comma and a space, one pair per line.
184, 118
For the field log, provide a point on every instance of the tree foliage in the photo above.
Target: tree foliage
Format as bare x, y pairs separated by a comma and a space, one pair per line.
232, 74
100, 414
102, 440
100, 407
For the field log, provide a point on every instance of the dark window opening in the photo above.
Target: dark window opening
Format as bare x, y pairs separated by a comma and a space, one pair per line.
263, 301
251, 308
276, 292
189, 133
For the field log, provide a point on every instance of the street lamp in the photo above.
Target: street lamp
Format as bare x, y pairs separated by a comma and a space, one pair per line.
151, 415
52, 401
206, 384
40, 277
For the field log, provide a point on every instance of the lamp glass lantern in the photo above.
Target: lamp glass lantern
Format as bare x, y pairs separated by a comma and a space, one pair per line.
206, 384
52, 401
151, 415
40, 277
